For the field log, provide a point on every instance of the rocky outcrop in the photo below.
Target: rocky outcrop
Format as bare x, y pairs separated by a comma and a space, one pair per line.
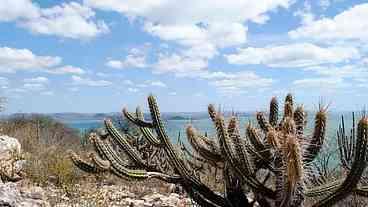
11, 162
15, 195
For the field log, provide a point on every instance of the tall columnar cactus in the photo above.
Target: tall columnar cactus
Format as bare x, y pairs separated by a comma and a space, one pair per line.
274, 161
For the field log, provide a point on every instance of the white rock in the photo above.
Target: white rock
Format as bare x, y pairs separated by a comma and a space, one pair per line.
11, 195
8, 147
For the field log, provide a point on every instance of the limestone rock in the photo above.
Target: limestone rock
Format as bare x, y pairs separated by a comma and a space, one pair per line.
11, 163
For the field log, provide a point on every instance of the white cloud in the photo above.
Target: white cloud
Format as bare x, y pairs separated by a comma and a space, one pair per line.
348, 25
293, 55
305, 14
173, 93
158, 84
68, 69
77, 80
135, 59
12, 60
199, 27
236, 83
192, 11
39, 79
321, 83
11, 10
69, 20
180, 65
133, 90
324, 4
356, 72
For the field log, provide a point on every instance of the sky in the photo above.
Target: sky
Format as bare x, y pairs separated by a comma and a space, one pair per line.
99, 56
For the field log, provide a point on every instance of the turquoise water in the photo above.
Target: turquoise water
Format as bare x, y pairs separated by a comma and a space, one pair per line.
174, 127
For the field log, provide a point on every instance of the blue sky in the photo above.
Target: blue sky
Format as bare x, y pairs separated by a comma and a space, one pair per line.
98, 56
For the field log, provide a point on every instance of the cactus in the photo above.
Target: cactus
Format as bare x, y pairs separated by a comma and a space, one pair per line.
274, 161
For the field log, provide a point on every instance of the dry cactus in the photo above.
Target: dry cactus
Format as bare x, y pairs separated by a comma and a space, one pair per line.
273, 162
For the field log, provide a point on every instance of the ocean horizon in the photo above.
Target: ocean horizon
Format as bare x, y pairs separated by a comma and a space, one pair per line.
176, 123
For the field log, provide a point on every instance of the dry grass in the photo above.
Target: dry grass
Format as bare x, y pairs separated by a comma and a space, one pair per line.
45, 143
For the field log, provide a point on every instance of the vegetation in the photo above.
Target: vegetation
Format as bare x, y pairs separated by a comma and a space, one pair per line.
45, 142
275, 162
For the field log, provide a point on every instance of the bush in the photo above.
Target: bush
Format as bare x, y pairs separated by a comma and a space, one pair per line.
45, 143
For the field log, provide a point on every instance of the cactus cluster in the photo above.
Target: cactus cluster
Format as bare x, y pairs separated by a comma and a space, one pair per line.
273, 162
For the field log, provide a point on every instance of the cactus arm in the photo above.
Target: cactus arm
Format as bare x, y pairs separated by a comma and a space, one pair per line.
324, 189
299, 119
121, 171
288, 110
227, 151
289, 99
117, 164
255, 139
174, 159
150, 137
103, 165
203, 146
136, 120
262, 122
274, 112
357, 169
362, 191
294, 172
262, 151
240, 152
123, 143
172, 154
259, 159
84, 165
317, 140
146, 131
346, 145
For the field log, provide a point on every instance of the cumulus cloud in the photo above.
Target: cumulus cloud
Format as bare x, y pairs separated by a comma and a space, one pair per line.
77, 80
158, 84
133, 90
12, 59
293, 55
136, 58
69, 20
11, 10
237, 82
68, 69
192, 11
321, 83
179, 65
348, 25
201, 28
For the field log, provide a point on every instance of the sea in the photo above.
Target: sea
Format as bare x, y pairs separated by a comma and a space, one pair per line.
176, 127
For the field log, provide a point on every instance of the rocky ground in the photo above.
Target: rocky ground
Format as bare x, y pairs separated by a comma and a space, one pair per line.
17, 191
21, 194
